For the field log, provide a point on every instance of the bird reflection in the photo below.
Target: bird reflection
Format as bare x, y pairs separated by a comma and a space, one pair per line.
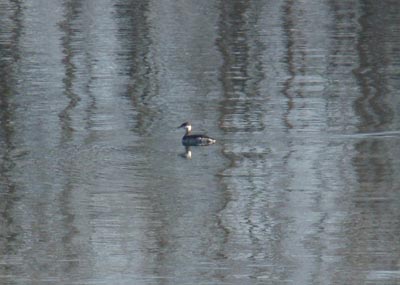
187, 154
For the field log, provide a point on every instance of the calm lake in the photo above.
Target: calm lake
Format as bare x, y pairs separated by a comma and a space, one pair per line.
302, 186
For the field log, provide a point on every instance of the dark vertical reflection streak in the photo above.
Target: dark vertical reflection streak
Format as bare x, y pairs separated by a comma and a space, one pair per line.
72, 12
372, 222
375, 113
241, 70
72, 9
245, 217
373, 107
91, 97
288, 29
135, 35
10, 236
138, 65
343, 58
230, 26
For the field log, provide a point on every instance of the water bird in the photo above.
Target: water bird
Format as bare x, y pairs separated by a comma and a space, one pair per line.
195, 139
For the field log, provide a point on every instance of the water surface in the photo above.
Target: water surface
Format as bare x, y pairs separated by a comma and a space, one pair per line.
301, 188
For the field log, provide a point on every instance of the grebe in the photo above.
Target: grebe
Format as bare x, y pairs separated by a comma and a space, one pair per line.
193, 140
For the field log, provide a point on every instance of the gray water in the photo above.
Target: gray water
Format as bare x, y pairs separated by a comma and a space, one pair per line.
303, 186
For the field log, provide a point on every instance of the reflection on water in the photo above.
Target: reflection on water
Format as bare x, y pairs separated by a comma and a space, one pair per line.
302, 186
187, 153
